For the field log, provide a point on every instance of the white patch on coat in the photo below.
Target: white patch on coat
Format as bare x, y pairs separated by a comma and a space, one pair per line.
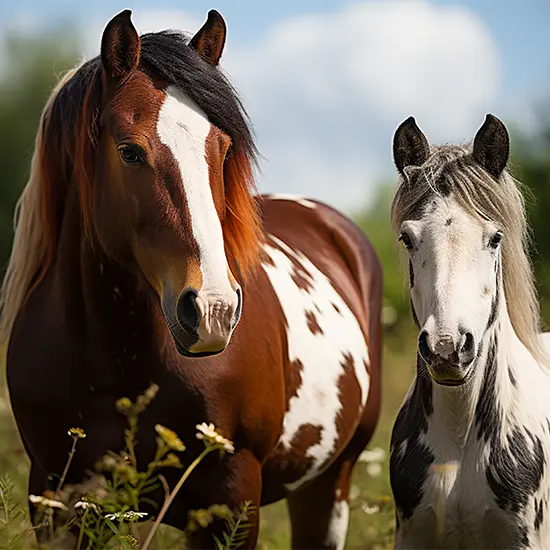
338, 525
294, 198
183, 127
316, 402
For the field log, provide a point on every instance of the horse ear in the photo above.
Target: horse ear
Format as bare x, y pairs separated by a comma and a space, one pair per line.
492, 146
410, 146
120, 47
210, 38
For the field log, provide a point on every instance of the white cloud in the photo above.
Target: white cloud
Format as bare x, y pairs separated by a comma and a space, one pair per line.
326, 91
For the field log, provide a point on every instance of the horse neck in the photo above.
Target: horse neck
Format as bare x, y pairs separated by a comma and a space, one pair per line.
113, 303
491, 394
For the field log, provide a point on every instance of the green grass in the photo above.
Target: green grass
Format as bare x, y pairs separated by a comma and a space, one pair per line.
374, 530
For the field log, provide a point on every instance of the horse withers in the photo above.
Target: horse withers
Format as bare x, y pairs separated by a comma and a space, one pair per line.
141, 253
471, 444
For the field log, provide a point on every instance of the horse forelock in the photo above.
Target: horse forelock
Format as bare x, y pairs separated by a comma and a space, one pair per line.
67, 144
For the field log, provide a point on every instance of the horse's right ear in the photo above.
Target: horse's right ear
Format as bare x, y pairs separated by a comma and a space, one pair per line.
492, 146
410, 146
120, 47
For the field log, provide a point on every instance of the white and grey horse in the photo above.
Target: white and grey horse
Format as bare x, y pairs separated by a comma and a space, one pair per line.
471, 444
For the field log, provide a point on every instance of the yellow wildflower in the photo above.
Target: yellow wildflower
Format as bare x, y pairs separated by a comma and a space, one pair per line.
170, 438
123, 405
77, 433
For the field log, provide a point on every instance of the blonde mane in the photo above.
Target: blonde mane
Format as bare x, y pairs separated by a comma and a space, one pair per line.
30, 246
451, 169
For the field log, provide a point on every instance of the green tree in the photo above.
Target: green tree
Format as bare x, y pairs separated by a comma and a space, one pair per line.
531, 165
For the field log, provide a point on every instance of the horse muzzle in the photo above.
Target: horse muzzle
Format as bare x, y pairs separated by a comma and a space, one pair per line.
449, 361
204, 322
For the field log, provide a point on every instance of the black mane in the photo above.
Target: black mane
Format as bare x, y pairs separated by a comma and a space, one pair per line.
168, 56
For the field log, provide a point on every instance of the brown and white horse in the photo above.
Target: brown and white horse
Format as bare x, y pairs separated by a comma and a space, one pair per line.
139, 243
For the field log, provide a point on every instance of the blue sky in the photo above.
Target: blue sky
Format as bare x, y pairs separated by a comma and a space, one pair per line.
520, 27
324, 117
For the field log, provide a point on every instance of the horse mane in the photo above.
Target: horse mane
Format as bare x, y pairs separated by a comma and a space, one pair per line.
65, 149
451, 169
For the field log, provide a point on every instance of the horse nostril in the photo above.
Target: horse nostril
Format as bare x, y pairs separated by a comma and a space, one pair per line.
186, 310
423, 346
239, 309
467, 349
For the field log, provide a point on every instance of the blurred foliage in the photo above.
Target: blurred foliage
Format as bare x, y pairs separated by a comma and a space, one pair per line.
30, 71
375, 222
531, 165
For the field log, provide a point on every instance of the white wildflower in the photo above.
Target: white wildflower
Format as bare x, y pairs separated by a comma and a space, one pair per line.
374, 469
85, 505
370, 510
130, 515
49, 502
372, 455
208, 433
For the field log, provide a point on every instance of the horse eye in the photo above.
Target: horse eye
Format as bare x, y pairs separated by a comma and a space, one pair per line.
406, 240
495, 240
130, 155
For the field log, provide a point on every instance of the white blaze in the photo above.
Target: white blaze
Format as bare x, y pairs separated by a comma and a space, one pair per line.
183, 127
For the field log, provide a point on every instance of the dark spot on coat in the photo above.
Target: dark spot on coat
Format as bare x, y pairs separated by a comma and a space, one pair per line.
524, 536
302, 278
267, 259
336, 308
494, 309
448, 221
409, 468
312, 323
514, 471
349, 395
513, 380
295, 457
293, 379
539, 513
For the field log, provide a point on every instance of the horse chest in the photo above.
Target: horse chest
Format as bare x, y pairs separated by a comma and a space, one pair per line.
327, 380
459, 507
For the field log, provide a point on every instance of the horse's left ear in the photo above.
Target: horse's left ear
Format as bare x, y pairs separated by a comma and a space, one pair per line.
120, 47
410, 146
210, 38
492, 146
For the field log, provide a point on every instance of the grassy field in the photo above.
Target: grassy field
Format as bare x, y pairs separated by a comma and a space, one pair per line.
372, 514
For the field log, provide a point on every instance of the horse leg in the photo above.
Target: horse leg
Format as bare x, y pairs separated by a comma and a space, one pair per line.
236, 481
319, 513
324, 524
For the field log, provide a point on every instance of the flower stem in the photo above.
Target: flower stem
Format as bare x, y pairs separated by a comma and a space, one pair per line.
170, 499
67, 466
